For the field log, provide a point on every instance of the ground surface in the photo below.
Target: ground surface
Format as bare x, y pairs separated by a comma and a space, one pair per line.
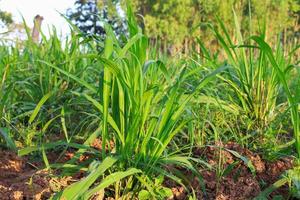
20, 179
237, 182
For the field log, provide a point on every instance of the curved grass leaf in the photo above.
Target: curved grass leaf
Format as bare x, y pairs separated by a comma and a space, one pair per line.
110, 179
75, 78
79, 189
39, 106
9, 141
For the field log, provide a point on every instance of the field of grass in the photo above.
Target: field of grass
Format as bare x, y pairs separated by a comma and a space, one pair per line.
140, 125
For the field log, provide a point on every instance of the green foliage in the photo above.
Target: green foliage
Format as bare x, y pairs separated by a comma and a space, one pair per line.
81, 189
148, 110
178, 22
163, 192
8, 139
40, 92
281, 66
253, 101
290, 177
91, 16
140, 114
5, 17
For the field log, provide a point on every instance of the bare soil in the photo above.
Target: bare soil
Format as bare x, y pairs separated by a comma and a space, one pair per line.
238, 182
21, 180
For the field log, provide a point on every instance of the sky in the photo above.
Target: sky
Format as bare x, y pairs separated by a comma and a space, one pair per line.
46, 8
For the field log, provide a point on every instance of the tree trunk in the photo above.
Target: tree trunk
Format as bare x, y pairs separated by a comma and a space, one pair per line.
37, 28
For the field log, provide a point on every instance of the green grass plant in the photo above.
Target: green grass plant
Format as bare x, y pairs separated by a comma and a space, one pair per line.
141, 108
254, 97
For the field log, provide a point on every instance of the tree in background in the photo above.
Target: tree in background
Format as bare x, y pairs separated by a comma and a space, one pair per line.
91, 15
10, 29
176, 22
173, 25
5, 18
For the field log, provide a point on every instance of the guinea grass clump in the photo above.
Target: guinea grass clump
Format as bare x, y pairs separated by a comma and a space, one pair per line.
142, 109
254, 88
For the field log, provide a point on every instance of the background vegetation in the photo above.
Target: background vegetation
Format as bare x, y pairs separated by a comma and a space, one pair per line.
175, 24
